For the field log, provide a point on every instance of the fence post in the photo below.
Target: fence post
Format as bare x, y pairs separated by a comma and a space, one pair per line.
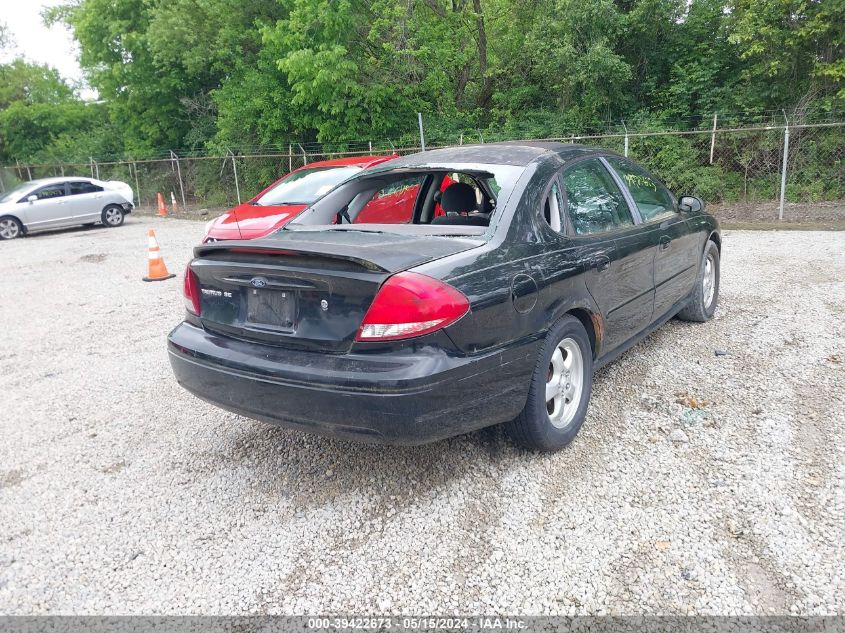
422, 135
62, 167
713, 137
480, 136
626, 138
137, 186
783, 169
175, 158
461, 140
235, 169
91, 163
371, 147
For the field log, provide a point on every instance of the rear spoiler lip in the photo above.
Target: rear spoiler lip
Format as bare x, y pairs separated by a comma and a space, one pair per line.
252, 246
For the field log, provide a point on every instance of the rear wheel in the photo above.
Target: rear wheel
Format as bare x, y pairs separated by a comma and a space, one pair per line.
560, 389
112, 216
10, 228
705, 295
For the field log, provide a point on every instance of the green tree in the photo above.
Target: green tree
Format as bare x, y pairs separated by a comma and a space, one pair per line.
22, 81
793, 48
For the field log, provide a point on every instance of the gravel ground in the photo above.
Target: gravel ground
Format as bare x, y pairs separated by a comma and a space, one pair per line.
709, 477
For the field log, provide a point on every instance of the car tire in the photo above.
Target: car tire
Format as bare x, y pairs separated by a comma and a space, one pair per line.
112, 216
10, 228
705, 295
565, 369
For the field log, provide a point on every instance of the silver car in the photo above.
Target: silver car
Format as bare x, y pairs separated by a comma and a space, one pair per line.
52, 203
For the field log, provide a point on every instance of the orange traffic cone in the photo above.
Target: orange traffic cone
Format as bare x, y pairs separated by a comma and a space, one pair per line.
157, 271
162, 210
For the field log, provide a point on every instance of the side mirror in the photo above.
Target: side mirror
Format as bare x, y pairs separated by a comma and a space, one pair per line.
31, 198
690, 204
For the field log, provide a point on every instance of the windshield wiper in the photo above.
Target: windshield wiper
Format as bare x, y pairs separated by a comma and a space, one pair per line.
358, 229
280, 204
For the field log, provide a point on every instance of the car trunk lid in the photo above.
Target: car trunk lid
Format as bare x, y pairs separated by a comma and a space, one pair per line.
305, 289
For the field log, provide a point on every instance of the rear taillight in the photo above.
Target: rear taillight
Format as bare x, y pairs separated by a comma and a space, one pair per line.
410, 304
192, 291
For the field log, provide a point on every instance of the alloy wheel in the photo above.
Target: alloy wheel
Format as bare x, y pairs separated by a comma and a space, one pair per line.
113, 216
9, 229
564, 383
708, 283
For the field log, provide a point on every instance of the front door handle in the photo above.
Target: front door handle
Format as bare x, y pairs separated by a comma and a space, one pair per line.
601, 263
665, 242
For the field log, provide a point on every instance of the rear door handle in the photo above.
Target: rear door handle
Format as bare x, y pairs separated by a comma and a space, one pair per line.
601, 263
665, 242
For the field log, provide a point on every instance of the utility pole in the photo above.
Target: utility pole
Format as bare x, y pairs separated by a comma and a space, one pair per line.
783, 169
713, 137
422, 135
235, 169
175, 159
626, 138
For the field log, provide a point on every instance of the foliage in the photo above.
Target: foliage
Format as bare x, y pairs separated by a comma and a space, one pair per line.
226, 74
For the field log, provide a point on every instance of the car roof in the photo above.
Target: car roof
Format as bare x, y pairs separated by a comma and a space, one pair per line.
57, 179
352, 161
517, 153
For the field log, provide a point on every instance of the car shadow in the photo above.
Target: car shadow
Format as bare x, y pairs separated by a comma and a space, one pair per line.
84, 228
312, 471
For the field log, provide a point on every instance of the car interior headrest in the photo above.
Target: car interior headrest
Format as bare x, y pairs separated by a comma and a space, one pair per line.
459, 197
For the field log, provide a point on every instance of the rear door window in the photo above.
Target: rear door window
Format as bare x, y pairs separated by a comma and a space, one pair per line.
77, 188
593, 201
653, 200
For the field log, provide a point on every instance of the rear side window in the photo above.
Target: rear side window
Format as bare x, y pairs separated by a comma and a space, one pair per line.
594, 202
653, 199
51, 191
553, 209
393, 204
83, 187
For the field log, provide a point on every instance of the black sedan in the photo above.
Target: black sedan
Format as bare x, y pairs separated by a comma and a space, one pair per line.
492, 302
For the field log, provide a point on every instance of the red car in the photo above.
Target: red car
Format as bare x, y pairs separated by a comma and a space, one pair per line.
286, 198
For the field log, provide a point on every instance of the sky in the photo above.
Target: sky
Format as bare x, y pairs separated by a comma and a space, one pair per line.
54, 46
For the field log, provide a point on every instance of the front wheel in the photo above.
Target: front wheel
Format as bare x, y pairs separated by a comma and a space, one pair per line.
705, 295
112, 216
10, 228
560, 389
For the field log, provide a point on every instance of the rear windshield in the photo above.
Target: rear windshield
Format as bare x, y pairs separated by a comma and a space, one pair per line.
450, 199
304, 186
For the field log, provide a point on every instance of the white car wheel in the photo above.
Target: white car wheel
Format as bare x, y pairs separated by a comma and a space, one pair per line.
10, 228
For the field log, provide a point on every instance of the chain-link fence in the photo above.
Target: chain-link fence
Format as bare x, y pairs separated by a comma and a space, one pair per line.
798, 163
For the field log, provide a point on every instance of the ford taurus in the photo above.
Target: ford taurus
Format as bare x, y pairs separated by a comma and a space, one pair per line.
548, 261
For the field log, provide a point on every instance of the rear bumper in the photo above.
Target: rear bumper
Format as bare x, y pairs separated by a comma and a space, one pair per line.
401, 397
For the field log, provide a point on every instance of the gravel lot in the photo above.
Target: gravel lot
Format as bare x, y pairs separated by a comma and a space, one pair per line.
709, 477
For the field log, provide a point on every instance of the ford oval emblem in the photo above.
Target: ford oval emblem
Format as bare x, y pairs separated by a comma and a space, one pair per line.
258, 282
